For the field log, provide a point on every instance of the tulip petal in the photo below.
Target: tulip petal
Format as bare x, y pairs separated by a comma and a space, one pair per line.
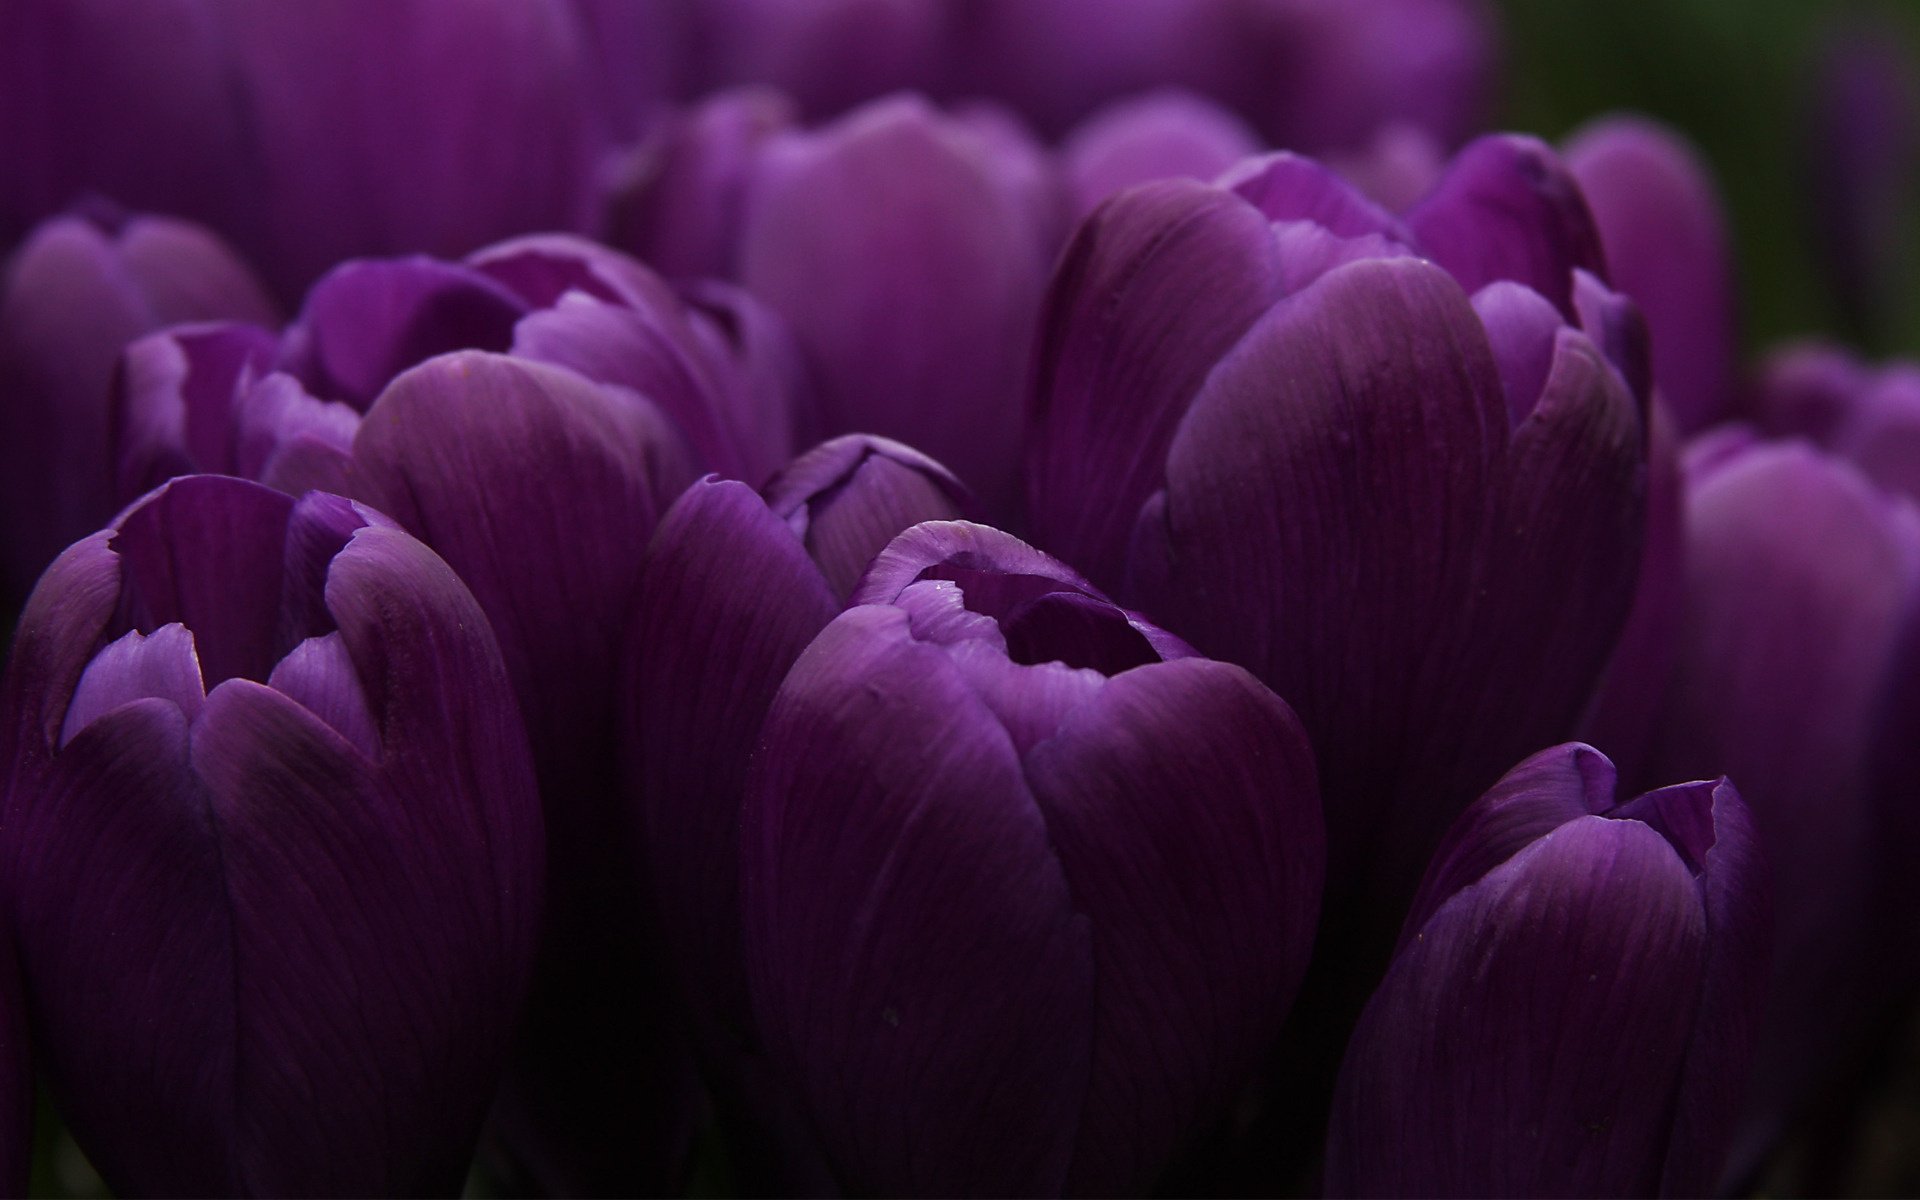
173, 402
1508, 208
944, 1048
849, 497
1163, 135
1475, 1069
1155, 287
1182, 803
365, 322
1522, 330
137, 667
318, 675
1290, 187
60, 630
727, 601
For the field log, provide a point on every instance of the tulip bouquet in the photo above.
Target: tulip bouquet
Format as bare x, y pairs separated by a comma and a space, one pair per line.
921, 597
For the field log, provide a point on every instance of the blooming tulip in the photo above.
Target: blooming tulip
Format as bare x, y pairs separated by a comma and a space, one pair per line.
1026, 886
1572, 1005
272, 847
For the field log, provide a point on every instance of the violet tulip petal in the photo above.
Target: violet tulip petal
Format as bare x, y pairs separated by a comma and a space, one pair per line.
1503, 973
1668, 247
1182, 803
1508, 208
173, 402
1290, 187
1522, 330
947, 1047
136, 667
1155, 287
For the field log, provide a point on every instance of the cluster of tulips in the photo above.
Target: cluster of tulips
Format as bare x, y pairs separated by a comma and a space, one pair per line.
1016, 636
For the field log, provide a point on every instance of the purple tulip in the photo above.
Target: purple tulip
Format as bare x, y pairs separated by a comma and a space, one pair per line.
308, 134
1572, 1005
1162, 135
1667, 247
830, 55
733, 587
936, 231
1027, 888
720, 368
1415, 513
1801, 581
273, 847
76, 292
1868, 415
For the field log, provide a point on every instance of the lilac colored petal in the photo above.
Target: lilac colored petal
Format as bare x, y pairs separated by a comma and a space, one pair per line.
1807, 389
1668, 247
187, 273
387, 128
136, 667
947, 1048
60, 629
847, 498
1308, 251
727, 601
1522, 330
635, 349
940, 268
1508, 208
1289, 187
1182, 803
318, 529
576, 477
1155, 287
365, 322
1482, 1065
1883, 433
292, 442
319, 677
1400, 165
205, 551
174, 398
543, 267
680, 207
1614, 323
1347, 399
1163, 135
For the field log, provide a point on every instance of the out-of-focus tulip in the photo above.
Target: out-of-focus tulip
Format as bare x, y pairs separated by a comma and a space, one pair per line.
1866, 414
1163, 135
936, 232
1573, 1003
284, 409
272, 845
1026, 887
73, 295
307, 134
1800, 580
1414, 512
732, 588
1667, 247
830, 55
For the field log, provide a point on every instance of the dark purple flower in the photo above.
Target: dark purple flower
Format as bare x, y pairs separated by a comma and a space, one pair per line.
71, 297
1027, 888
1667, 247
1572, 1005
731, 590
906, 247
1801, 582
1414, 512
307, 134
272, 847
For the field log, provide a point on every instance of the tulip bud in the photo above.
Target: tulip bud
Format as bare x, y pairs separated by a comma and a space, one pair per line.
1573, 1002
1027, 888
77, 291
272, 845
732, 588
1667, 247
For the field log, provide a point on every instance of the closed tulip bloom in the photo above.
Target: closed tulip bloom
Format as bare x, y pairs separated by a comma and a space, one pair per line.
1866, 413
936, 230
732, 588
1573, 1002
273, 847
1027, 887
1801, 582
71, 297
1667, 247
1410, 499
307, 134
